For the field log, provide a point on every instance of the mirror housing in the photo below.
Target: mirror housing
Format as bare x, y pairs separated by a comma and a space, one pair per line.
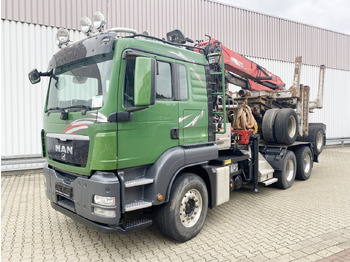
144, 83
34, 76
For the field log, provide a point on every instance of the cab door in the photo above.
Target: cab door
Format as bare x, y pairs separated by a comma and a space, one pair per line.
151, 130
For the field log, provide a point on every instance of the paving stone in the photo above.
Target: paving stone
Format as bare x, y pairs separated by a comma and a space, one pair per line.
307, 222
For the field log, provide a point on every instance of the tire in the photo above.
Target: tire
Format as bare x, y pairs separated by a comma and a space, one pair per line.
268, 125
286, 126
179, 220
317, 136
304, 159
286, 176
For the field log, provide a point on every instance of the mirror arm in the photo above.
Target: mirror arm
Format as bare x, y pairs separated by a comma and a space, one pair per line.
123, 116
45, 73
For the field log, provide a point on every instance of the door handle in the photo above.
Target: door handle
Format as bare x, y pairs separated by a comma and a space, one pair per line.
174, 133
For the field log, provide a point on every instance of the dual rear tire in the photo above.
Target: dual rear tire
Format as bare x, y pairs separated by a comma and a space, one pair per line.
317, 136
304, 160
296, 164
280, 126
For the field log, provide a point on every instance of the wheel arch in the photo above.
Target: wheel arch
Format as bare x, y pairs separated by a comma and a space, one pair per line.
175, 162
201, 170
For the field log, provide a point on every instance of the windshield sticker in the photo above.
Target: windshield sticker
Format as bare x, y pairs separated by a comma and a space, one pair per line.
97, 101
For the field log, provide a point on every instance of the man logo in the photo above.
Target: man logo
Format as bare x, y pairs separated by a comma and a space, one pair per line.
64, 149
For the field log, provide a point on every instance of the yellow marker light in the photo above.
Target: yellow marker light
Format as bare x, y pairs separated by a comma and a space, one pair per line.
228, 161
160, 197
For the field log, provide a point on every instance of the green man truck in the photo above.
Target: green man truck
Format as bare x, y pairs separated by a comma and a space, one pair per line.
140, 129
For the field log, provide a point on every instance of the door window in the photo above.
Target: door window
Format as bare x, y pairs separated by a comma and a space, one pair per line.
163, 81
129, 81
183, 84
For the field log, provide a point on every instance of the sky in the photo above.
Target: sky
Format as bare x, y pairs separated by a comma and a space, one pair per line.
329, 14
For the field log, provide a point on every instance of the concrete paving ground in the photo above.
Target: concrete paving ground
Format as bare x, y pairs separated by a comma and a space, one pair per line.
308, 222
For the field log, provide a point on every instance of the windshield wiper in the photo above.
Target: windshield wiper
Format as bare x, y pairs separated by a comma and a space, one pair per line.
55, 109
64, 114
83, 112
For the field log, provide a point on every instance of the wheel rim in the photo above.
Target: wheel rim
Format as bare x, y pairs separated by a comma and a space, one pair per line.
292, 126
307, 163
290, 170
319, 141
191, 208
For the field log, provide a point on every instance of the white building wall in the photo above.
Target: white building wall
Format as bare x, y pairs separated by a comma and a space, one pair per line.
24, 47
28, 46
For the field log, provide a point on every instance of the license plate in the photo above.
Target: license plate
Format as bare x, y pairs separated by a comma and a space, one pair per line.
64, 190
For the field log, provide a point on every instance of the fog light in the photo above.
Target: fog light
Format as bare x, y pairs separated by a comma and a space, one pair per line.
62, 37
104, 201
98, 20
104, 213
86, 25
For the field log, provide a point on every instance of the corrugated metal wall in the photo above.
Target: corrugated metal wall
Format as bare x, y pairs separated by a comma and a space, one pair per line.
247, 32
24, 47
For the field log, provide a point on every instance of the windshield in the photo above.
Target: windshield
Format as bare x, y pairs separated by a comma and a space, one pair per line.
81, 84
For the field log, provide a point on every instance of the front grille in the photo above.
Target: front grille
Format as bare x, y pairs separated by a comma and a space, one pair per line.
74, 152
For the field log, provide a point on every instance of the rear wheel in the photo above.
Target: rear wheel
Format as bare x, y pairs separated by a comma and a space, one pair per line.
286, 176
286, 126
184, 215
317, 136
304, 158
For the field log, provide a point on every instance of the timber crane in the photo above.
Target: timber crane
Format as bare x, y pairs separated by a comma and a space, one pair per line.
255, 108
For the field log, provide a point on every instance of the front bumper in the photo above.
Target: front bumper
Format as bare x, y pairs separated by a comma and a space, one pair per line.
73, 196
107, 229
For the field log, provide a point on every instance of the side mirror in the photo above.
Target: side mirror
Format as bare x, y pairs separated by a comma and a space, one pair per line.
144, 84
34, 76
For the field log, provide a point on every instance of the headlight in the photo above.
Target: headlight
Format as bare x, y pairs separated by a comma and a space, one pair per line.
99, 20
104, 212
104, 201
62, 36
86, 25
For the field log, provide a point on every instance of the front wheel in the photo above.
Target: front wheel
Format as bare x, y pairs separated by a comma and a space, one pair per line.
184, 215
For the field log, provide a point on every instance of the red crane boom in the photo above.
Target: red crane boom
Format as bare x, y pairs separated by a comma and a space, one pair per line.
258, 78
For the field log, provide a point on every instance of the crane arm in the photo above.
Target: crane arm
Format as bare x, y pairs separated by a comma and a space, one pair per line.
258, 78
